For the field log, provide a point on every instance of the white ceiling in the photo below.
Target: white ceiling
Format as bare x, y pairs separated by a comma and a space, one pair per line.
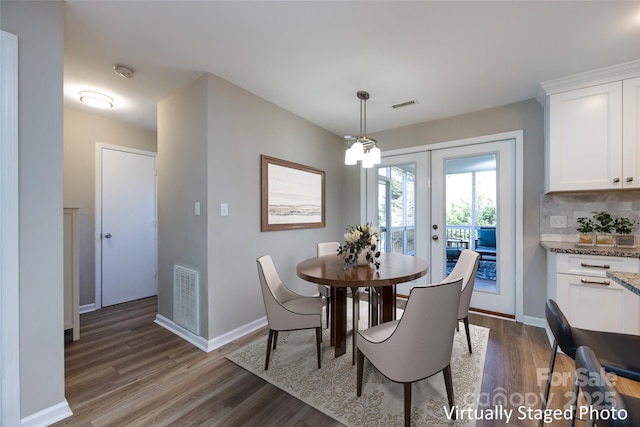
310, 57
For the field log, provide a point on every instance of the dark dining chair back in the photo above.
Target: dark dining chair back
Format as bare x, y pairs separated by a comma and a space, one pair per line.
604, 404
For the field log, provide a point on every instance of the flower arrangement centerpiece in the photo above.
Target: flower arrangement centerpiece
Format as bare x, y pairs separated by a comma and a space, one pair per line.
361, 246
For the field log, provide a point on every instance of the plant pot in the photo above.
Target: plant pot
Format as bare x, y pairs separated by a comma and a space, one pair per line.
625, 241
585, 239
362, 258
604, 240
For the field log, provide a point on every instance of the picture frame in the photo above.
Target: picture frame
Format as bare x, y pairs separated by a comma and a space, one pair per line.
292, 195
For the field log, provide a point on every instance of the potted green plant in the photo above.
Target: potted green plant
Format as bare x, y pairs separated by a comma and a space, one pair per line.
604, 228
585, 232
624, 227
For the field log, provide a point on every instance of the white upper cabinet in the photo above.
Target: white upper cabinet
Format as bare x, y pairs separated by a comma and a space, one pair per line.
585, 134
592, 130
631, 133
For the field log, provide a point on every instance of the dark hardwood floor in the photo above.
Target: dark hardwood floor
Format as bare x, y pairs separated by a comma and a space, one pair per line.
127, 371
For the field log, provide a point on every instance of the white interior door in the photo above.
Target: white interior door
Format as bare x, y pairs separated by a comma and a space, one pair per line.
128, 226
476, 184
398, 204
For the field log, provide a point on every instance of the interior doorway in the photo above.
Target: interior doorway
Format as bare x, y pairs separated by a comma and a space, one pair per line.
9, 221
126, 225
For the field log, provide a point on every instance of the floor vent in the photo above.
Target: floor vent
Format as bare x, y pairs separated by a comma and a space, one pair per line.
186, 298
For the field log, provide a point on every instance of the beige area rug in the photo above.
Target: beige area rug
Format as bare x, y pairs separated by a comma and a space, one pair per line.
332, 389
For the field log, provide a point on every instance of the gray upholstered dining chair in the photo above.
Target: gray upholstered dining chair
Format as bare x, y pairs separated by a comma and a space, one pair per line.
327, 248
286, 310
419, 344
467, 268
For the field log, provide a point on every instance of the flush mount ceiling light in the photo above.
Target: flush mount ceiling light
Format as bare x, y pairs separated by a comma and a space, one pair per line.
96, 99
361, 147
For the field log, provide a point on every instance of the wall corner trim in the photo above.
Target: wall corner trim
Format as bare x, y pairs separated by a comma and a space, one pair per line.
538, 322
48, 416
214, 343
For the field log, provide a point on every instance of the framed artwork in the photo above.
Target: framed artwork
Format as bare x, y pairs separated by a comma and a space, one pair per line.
293, 195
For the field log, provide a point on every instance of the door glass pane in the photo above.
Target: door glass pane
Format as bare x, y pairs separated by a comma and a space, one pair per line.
396, 208
471, 215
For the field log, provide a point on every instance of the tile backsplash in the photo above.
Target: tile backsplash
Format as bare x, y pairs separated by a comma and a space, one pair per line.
576, 205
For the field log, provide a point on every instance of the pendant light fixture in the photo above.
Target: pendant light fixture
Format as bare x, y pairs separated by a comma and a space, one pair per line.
361, 147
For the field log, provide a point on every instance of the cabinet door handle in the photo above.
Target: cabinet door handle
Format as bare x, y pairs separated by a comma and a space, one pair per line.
616, 180
595, 282
630, 179
606, 266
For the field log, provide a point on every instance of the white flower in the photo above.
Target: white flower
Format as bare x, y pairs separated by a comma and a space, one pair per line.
374, 240
356, 235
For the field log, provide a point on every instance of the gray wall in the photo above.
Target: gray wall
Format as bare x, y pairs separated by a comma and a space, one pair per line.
224, 135
525, 115
40, 30
182, 180
81, 133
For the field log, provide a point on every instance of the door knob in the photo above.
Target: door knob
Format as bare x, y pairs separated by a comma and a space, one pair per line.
108, 235
434, 237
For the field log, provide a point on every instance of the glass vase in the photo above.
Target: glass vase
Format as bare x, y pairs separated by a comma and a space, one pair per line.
585, 239
604, 240
625, 241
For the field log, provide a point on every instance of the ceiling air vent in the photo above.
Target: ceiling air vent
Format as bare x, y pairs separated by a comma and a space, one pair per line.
404, 104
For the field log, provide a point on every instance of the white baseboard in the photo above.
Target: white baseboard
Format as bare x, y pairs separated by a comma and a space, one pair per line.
87, 308
214, 343
186, 335
538, 322
48, 416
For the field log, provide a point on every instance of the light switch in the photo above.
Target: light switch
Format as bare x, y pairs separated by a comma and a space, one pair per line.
197, 209
224, 209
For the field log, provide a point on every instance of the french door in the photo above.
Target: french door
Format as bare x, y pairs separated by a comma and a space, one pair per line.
410, 197
397, 206
473, 205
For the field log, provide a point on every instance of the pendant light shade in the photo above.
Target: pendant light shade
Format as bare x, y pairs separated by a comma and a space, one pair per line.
361, 147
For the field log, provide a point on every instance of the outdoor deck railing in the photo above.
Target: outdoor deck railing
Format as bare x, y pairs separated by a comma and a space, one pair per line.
464, 233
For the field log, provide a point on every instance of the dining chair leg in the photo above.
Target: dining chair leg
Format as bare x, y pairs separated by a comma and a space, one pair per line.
355, 294
359, 371
269, 343
318, 340
407, 404
328, 306
275, 339
552, 362
466, 328
448, 384
574, 399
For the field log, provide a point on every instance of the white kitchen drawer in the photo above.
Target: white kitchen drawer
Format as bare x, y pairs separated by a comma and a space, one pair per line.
598, 304
595, 265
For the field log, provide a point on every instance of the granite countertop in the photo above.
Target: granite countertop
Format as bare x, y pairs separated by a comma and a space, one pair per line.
630, 281
571, 248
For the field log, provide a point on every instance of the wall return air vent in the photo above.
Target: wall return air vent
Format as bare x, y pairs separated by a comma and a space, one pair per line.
186, 298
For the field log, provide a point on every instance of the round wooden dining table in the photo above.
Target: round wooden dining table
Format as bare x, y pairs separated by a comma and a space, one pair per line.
330, 270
